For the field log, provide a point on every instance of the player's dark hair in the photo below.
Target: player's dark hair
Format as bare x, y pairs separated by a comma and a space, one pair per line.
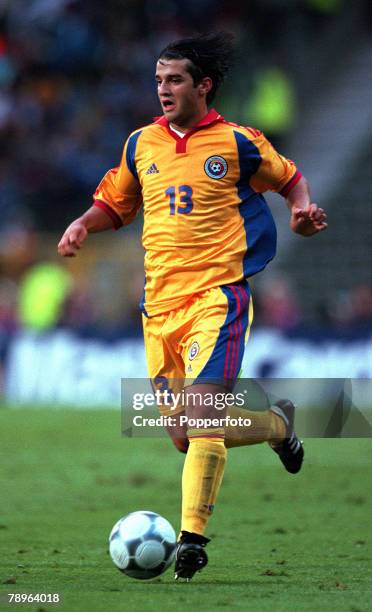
210, 55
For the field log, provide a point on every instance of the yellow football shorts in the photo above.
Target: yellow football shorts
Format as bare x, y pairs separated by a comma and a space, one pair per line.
202, 341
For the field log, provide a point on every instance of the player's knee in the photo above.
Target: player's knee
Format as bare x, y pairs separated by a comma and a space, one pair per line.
181, 444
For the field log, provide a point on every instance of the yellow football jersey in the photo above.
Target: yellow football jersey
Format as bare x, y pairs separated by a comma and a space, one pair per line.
206, 222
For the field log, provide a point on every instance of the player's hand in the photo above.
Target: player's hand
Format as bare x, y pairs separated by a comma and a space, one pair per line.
72, 239
308, 221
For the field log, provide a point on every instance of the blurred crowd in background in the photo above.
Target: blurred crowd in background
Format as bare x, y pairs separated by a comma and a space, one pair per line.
75, 78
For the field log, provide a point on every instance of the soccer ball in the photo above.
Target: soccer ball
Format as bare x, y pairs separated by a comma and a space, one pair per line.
142, 544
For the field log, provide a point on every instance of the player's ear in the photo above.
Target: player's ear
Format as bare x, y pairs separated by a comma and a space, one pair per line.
205, 86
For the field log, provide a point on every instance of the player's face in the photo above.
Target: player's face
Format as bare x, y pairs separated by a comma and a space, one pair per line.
183, 103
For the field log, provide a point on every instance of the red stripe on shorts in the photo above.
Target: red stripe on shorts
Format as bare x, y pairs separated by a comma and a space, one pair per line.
237, 327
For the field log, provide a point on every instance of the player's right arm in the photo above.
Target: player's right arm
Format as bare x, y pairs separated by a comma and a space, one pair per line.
93, 220
117, 200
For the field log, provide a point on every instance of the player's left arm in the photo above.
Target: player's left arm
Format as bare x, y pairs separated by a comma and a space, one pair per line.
277, 173
306, 217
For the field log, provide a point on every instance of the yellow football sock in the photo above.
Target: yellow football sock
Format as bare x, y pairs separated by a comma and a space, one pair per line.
265, 427
201, 479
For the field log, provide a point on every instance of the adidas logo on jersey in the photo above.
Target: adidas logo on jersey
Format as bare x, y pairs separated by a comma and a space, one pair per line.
152, 170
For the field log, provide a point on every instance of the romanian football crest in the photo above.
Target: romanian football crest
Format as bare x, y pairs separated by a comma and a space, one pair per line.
216, 167
194, 350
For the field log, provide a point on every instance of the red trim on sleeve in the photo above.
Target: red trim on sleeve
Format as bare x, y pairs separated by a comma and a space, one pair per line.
110, 212
291, 183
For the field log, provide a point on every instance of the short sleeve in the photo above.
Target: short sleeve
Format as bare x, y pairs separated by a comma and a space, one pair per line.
275, 172
119, 192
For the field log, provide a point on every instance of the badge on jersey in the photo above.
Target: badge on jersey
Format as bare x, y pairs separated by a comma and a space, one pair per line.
194, 350
216, 167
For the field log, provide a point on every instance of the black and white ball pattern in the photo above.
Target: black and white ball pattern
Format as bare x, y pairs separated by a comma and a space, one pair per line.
142, 544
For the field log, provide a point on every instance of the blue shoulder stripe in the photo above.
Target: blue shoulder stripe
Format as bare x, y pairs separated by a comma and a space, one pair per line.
131, 152
249, 156
259, 225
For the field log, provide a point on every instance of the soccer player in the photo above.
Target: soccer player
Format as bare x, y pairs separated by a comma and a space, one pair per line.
207, 228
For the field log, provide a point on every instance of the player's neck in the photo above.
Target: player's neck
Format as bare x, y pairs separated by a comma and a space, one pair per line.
189, 124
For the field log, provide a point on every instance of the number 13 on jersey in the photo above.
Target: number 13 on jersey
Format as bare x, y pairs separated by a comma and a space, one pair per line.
180, 199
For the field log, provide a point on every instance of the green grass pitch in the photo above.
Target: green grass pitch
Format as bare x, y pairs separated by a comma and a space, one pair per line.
280, 542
